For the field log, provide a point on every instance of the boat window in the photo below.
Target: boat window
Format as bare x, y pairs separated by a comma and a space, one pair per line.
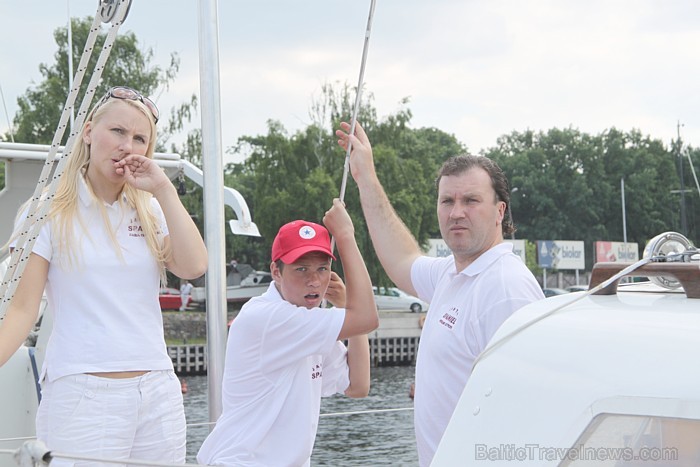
636, 441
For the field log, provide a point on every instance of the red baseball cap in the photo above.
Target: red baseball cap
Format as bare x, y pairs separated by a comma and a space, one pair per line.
298, 238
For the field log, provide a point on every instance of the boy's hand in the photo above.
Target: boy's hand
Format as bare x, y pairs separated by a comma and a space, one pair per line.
338, 222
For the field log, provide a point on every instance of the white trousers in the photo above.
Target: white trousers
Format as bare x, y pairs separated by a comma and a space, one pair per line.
135, 418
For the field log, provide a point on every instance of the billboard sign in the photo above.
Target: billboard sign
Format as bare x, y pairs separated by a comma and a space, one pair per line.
616, 252
561, 254
518, 247
437, 248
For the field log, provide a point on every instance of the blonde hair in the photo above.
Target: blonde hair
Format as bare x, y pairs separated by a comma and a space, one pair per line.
64, 207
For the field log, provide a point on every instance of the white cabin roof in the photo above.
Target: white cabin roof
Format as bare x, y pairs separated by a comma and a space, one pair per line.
634, 352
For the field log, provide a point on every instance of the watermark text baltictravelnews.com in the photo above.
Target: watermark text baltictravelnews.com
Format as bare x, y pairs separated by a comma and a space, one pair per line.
535, 452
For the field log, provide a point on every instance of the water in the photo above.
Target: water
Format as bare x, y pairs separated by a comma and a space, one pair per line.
384, 438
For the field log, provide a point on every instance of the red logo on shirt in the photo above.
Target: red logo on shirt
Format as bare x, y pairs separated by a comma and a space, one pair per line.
449, 319
134, 228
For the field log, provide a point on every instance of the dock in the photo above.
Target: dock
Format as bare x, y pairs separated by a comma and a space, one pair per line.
395, 342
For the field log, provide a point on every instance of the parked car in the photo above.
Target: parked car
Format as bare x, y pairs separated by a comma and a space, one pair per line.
552, 291
391, 298
577, 288
170, 299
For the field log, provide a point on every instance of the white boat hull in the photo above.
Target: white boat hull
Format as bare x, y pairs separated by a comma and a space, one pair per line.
234, 293
19, 402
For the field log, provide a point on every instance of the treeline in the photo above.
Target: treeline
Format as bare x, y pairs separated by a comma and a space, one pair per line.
566, 184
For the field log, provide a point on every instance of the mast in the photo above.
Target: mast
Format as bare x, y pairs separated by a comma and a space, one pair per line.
212, 161
684, 222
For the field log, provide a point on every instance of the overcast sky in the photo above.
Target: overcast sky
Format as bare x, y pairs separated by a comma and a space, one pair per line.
475, 68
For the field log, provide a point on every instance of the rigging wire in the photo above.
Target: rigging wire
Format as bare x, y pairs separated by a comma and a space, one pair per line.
358, 99
70, 59
7, 116
47, 184
356, 109
495, 344
692, 168
363, 412
36, 453
323, 415
19, 438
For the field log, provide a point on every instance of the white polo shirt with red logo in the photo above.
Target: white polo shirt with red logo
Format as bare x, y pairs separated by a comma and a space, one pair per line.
106, 311
466, 309
280, 360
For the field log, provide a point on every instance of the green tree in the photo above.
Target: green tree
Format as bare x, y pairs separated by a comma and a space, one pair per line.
566, 185
285, 177
41, 106
690, 158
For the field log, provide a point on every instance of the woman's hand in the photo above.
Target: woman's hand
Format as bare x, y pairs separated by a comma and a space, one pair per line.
142, 173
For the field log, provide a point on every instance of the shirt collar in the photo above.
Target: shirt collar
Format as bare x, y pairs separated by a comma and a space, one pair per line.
86, 198
487, 258
273, 293
84, 192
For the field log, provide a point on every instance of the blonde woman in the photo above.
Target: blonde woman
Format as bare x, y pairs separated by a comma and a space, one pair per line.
115, 225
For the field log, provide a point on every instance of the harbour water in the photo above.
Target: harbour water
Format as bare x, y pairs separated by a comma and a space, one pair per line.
345, 438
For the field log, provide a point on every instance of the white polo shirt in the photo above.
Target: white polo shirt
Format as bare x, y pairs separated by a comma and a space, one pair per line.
465, 311
280, 360
106, 311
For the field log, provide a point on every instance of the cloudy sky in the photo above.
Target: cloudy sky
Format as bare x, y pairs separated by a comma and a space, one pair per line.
475, 68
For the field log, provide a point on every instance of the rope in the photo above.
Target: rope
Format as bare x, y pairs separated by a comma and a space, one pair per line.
40, 202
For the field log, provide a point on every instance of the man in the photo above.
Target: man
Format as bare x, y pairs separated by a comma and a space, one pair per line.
283, 352
471, 293
185, 292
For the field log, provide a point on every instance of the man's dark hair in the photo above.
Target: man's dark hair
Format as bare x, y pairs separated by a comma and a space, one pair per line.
459, 164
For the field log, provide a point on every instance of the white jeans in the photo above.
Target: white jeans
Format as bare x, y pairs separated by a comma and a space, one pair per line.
136, 418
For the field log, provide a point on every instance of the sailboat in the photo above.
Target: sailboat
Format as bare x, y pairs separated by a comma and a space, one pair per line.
606, 376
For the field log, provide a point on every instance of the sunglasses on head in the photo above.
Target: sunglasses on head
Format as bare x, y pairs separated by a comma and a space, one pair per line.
123, 92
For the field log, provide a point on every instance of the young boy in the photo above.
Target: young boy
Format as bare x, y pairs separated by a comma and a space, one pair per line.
284, 351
